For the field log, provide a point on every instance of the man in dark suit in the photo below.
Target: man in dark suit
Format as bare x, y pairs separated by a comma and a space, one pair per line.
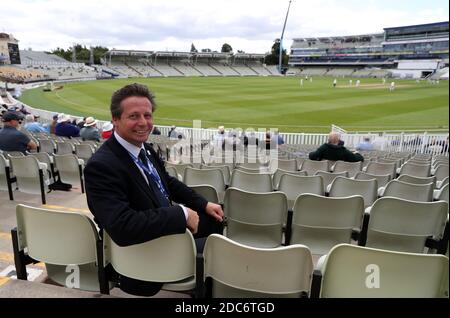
129, 191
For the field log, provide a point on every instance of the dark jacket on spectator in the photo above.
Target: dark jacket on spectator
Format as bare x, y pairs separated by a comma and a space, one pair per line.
334, 153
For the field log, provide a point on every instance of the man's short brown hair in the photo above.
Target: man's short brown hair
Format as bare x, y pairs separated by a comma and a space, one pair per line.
134, 89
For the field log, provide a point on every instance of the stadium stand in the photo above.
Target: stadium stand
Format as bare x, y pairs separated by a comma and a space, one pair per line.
416, 51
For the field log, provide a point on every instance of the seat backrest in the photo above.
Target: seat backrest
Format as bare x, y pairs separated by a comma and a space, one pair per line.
241, 271
4, 163
26, 169
321, 222
404, 225
179, 167
213, 177
374, 273
351, 167
379, 168
382, 180
254, 182
207, 191
417, 180
409, 191
279, 172
226, 170
441, 172
55, 236
169, 258
344, 187
286, 164
312, 166
293, 186
255, 219
47, 145
416, 170
64, 147
84, 151
443, 193
328, 177
173, 172
69, 168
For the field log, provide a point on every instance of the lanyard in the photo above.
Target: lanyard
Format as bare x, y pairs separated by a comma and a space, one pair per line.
151, 171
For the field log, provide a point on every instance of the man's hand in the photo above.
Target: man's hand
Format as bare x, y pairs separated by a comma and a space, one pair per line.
215, 210
192, 221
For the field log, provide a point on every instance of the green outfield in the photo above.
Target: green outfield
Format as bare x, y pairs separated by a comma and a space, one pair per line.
267, 102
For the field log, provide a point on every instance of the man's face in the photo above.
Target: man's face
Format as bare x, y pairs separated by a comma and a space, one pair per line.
136, 121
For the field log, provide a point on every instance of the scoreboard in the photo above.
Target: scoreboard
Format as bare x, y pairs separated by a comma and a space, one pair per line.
14, 55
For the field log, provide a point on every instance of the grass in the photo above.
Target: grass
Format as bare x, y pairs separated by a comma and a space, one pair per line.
267, 102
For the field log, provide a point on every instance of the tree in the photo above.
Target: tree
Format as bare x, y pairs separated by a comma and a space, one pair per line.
240, 51
226, 48
82, 53
274, 56
193, 49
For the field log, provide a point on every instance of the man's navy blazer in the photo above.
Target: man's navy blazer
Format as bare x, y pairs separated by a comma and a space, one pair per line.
125, 206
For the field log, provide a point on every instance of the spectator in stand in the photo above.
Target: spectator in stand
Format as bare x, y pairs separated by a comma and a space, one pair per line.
333, 151
107, 130
90, 130
81, 123
33, 126
366, 145
11, 139
156, 131
54, 123
218, 141
65, 129
276, 136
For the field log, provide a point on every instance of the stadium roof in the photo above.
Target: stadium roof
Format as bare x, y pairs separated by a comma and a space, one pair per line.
421, 25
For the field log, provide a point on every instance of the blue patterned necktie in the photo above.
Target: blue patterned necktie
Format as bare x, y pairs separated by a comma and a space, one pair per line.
152, 175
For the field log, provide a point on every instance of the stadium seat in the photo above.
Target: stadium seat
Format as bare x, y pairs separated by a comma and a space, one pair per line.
351, 167
378, 168
255, 219
312, 166
234, 270
328, 177
254, 182
417, 180
415, 170
207, 191
295, 185
382, 180
279, 172
320, 222
70, 169
344, 187
59, 239
6, 176
212, 177
409, 191
403, 225
31, 176
168, 259
352, 271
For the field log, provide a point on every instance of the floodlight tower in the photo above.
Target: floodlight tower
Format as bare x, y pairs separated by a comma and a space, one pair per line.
281, 39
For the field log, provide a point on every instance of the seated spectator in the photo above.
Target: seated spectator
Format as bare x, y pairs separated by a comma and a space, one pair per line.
33, 126
65, 128
90, 130
107, 130
54, 123
80, 124
12, 139
333, 151
366, 145
277, 138
156, 131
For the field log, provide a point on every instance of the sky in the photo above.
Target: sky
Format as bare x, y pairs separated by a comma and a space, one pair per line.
172, 25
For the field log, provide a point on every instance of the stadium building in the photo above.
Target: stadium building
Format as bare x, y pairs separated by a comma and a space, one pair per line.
416, 51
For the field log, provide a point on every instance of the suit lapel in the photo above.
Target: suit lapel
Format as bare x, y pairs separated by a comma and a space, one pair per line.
131, 168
